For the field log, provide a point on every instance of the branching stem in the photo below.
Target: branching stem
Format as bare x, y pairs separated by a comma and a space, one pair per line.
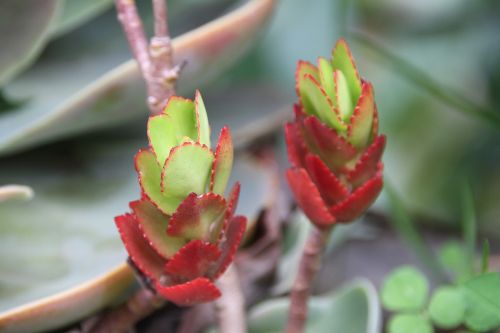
230, 307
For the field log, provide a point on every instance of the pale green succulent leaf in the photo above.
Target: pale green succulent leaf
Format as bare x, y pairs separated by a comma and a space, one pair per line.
342, 60
361, 121
162, 138
182, 114
344, 102
327, 79
202, 117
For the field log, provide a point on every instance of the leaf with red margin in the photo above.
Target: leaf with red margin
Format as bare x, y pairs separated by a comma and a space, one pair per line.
153, 224
232, 203
361, 122
193, 260
342, 60
295, 145
150, 180
326, 79
143, 255
333, 149
233, 235
202, 120
368, 164
303, 68
308, 197
374, 125
356, 204
200, 290
317, 103
223, 162
330, 187
195, 216
186, 170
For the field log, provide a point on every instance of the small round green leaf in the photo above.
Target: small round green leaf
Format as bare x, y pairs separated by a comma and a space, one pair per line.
447, 307
404, 289
409, 323
482, 295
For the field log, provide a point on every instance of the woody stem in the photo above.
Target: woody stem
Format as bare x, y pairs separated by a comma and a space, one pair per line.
230, 307
308, 267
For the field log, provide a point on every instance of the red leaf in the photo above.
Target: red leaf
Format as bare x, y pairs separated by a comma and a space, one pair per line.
229, 245
200, 290
143, 255
295, 144
193, 260
356, 204
232, 203
308, 197
360, 127
223, 162
368, 164
333, 149
330, 187
195, 216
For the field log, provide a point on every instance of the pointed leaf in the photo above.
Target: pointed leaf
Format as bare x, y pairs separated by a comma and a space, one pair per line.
295, 145
233, 235
186, 170
182, 113
342, 60
333, 149
150, 180
153, 224
195, 216
200, 290
308, 197
143, 256
193, 260
361, 122
368, 164
327, 80
330, 187
202, 120
319, 104
303, 68
356, 204
223, 162
342, 93
232, 203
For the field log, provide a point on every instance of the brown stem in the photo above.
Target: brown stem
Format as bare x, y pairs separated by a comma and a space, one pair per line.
230, 307
308, 267
141, 304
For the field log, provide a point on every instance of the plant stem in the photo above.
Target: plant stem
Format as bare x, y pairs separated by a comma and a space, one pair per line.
156, 58
230, 307
141, 304
308, 267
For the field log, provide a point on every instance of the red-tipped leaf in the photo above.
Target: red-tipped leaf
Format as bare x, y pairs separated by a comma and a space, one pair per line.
361, 122
223, 162
330, 187
200, 290
296, 147
368, 164
193, 260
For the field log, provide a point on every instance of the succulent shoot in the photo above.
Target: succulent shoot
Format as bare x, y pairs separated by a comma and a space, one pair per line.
182, 234
333, 143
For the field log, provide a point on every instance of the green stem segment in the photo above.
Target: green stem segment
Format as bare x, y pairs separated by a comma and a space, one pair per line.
310, 263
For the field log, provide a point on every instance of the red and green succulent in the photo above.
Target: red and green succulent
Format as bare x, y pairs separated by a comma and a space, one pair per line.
333, 143
182, 234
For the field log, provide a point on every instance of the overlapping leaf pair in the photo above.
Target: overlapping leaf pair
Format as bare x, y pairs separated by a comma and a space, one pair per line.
182, 234
333, 143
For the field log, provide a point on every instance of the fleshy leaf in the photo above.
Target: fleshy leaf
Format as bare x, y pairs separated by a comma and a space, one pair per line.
223, 162
202, 120
150, 179
295, 145
232, 239
333, 149
162, 138
368, 164
308, 197
326, 78
232, 203
143, 255
153, 223
182, 113
361, 122
330, 187
355, 205
319, 104
186, 170
342, 93
195, 216
303, 68
200, 290
342, 60
193, 260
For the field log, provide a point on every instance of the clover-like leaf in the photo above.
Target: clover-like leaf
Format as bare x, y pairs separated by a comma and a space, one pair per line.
447, 307
404, 289
483, 302
409, 323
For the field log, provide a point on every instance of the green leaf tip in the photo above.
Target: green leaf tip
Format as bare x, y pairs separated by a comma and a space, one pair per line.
343, 60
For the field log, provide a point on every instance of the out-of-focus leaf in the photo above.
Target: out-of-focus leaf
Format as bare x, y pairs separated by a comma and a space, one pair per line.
447, 307
485, 260
452, 256
77, 12
24, 27
469, 227
353, 309
119, 95
404, 289
409, 323
483, 302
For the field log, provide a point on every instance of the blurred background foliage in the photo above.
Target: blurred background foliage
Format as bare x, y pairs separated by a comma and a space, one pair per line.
435, 66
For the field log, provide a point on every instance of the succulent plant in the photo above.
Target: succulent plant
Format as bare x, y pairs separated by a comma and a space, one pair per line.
333, 143
182, 234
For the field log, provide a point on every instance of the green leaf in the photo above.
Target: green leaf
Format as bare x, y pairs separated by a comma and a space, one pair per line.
342, 60
447, 307
202, 120
485, 260
326, 79
483, 299
404, 289
452, 256
409, 323
353, 309
360, 129
344, 102
186, 170
469, 226
223, 162
24, 27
